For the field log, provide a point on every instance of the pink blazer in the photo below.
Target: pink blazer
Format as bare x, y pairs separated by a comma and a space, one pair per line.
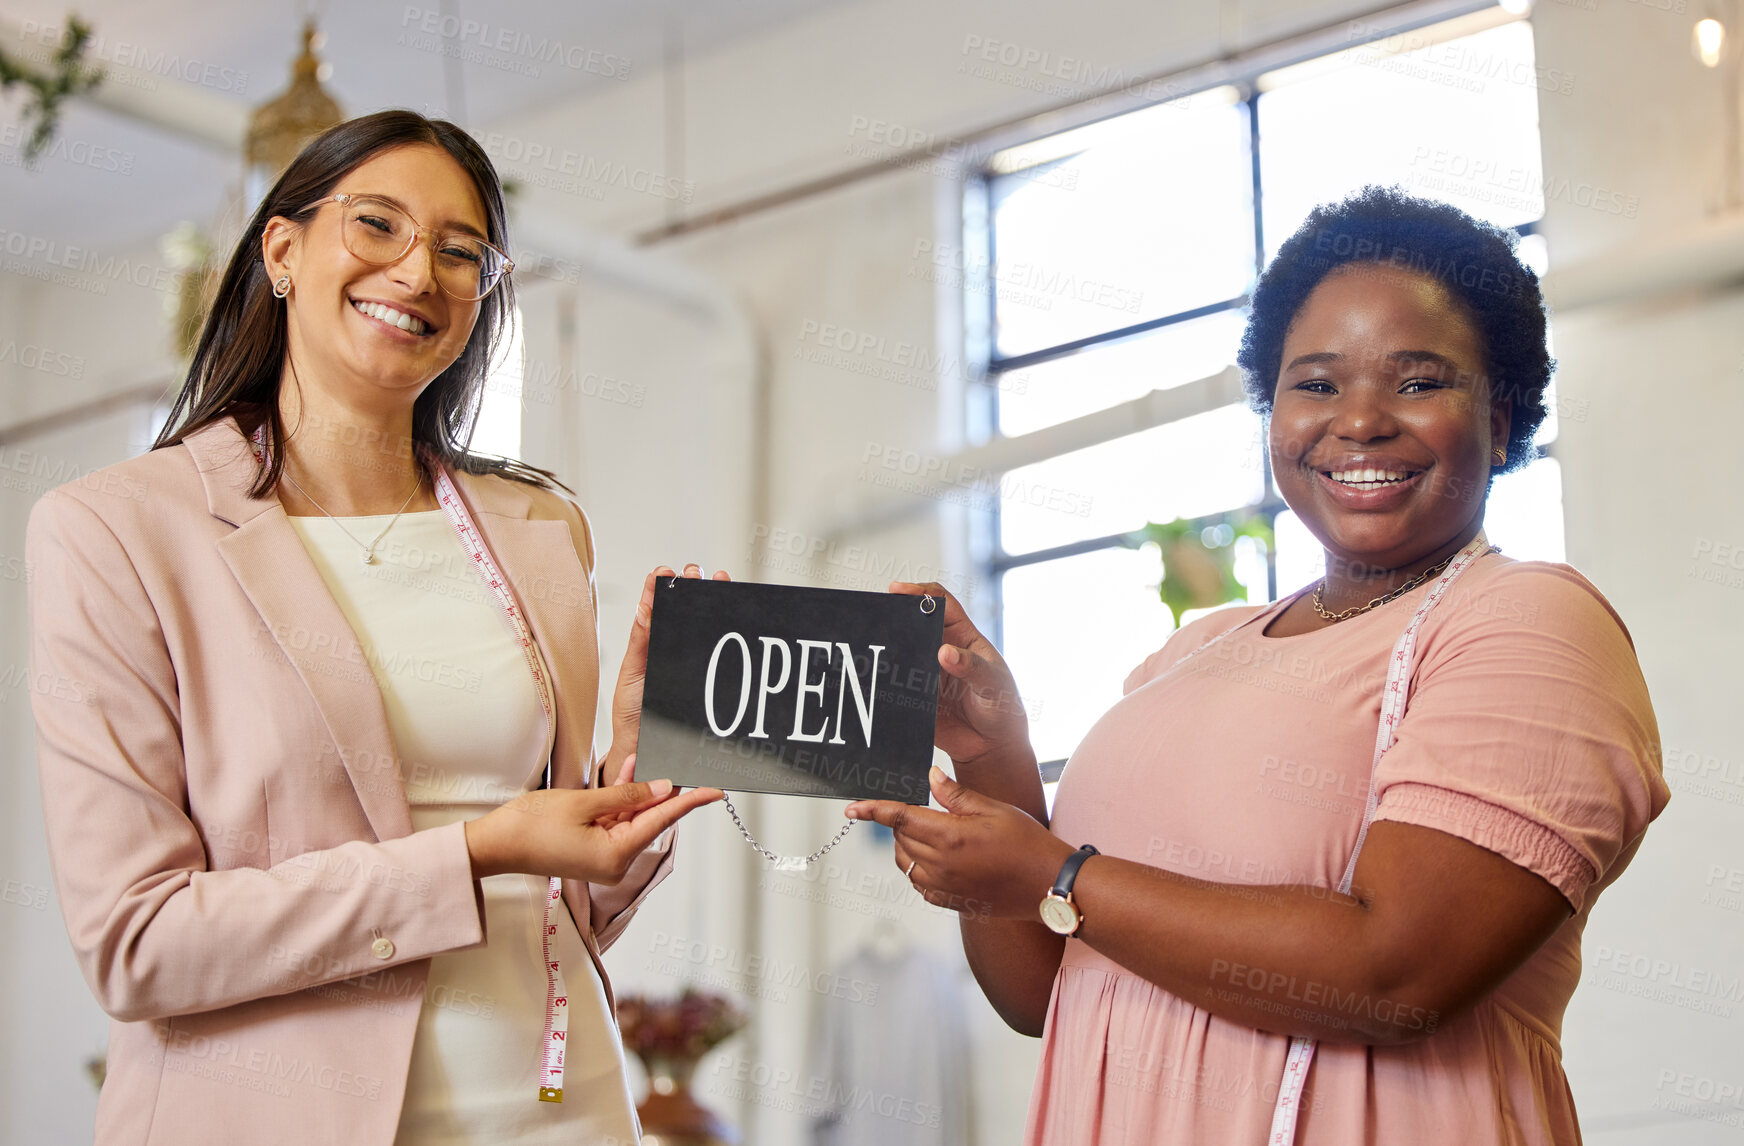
227, 827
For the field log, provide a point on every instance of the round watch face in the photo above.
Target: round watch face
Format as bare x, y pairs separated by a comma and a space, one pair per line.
1060, 914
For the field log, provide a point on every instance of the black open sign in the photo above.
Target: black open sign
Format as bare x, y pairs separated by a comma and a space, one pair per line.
802, 692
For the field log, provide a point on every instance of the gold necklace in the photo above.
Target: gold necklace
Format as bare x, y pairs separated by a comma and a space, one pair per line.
1383, 598
369, 557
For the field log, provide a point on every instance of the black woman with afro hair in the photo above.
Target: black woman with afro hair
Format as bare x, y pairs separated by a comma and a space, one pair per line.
1320, 876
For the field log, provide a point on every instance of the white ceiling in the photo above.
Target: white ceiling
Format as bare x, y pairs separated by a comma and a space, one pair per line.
116, 181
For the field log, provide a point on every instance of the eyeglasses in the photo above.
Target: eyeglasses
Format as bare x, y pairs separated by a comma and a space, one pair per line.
376, 231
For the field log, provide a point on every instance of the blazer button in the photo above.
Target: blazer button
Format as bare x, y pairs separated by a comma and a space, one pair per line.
382, 948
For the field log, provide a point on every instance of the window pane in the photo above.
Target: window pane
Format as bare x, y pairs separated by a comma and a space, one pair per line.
1524, 514
1547, 429
1455, 121
1104, 376
1301, 560
1073, 629
1151, 217
498, 430
1196, 466
1535, 253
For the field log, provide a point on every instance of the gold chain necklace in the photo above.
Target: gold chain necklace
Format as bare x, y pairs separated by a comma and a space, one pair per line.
1383, 598
369, 557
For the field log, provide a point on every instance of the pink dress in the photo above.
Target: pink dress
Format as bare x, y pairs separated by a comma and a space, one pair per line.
1528, 732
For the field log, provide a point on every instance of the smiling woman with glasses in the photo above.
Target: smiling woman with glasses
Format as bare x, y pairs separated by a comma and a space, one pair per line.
380, 231
334, 846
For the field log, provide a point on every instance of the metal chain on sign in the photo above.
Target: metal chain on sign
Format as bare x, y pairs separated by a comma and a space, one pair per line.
784, 863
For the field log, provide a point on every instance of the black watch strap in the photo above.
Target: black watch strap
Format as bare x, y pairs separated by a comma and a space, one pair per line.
1069, 870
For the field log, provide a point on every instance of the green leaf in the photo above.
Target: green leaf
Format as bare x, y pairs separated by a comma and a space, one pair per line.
1199, 560
47, 90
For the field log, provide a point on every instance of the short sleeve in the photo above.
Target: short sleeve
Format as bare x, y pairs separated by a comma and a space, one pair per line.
1185, 640
1528, 730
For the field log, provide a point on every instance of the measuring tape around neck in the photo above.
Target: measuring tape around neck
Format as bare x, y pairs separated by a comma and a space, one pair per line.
555, 1036
1301, 1053
1393, 695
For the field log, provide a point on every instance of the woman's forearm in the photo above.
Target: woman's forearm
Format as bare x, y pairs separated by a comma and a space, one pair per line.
1014, 960
1285, 959
1292, 960
1437, 924
145, 940
1011, 776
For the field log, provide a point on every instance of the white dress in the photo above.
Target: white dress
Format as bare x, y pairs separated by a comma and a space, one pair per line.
470, 735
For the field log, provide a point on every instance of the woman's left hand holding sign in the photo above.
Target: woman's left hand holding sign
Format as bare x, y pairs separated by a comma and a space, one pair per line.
619, 766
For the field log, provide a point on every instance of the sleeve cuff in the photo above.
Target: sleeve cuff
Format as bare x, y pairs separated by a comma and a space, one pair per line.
469, 926
1492, 827
613, 907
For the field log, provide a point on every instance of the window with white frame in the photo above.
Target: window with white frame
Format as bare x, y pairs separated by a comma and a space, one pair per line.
1119, 259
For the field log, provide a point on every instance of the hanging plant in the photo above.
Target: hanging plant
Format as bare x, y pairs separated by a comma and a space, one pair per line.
71, 76
1199, 560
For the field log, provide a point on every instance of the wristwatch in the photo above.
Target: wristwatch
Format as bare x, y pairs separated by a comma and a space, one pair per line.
1057, 909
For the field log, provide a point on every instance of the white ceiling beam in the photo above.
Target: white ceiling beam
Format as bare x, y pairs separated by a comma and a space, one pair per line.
865, 508
187, 110
1705, 256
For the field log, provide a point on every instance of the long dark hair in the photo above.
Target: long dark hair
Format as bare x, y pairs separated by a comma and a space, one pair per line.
240, 357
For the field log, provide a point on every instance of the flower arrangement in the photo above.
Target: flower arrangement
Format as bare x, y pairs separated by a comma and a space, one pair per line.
686, 1027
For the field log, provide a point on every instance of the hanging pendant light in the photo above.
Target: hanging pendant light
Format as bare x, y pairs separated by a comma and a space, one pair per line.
1709, 41
281, 127
1711, 38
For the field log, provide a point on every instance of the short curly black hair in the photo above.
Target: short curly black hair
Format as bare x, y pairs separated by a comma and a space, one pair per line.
1475, 262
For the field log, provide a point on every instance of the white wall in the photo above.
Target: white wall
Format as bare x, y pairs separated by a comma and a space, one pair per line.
653, 415
825, 94
51, 1024
1652, 475
66, 339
